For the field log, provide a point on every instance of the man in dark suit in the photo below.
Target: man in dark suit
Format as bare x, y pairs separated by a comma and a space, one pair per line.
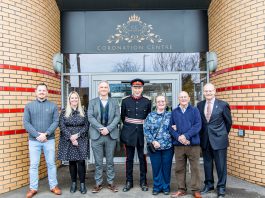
103, 116
134, 110
216, 124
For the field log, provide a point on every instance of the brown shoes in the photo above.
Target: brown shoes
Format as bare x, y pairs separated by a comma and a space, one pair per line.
97, 188
182, 193
112, 187
56, 190
31, 193
178, 194
197, 194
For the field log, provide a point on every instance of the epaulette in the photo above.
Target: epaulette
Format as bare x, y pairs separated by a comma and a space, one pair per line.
125, 97
147, 97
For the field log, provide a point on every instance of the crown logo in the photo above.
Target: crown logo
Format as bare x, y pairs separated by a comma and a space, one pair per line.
134, 18
134, 30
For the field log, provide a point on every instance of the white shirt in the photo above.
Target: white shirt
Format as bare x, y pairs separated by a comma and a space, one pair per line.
183, 109
104, 102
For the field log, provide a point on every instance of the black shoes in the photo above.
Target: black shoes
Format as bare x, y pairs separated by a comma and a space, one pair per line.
127, 186
221, 192
206, 189
155, 193
73, 187
83, 189
166, 192
144, 187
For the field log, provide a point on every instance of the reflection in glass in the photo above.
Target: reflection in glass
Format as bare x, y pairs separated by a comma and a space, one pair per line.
72, 83
134, 62
176, 62
193, 84
120, 90
126, 65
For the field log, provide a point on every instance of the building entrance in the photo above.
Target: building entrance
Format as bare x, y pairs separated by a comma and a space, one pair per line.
155, 83
166, 83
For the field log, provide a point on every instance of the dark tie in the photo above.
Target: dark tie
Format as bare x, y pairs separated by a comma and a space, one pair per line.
208, 111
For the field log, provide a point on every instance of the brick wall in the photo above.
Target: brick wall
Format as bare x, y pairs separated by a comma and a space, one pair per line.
237, 34
29, 36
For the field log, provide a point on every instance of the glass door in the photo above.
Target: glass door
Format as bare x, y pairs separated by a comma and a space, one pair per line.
166, 84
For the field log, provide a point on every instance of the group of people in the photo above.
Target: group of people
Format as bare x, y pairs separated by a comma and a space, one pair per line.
184, 132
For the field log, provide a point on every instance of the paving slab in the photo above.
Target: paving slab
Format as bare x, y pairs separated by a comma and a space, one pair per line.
236, 188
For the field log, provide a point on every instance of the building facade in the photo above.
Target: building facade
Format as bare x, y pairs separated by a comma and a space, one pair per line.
30, 34
236, 33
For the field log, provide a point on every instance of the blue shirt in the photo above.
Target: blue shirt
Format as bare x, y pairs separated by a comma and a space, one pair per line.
152, 125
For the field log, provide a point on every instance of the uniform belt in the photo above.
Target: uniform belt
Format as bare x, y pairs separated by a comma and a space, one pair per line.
134, 121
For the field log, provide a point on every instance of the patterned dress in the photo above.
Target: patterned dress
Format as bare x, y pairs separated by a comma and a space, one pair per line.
70, 126
158, 123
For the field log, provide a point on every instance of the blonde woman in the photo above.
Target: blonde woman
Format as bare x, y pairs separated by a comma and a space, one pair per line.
74, 140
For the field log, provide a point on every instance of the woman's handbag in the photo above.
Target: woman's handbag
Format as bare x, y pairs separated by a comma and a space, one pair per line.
149, 145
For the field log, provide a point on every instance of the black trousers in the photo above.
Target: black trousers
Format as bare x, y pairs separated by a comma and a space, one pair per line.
220, 158
80, 167
130, 150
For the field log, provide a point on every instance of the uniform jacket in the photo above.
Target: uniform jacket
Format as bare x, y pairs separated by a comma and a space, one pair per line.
94, 117
217, 129
132, 134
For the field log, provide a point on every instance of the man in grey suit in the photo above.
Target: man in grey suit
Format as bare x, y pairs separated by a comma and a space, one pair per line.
104, 116
216, 125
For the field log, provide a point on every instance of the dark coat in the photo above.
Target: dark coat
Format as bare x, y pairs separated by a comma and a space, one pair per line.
70, 126
217, 129
132, 134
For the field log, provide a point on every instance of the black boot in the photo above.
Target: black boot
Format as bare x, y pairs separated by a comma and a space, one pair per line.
73, 187
144, 187
83, 189
206, 189
127, 186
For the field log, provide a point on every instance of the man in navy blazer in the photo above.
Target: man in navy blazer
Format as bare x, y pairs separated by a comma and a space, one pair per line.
216, 124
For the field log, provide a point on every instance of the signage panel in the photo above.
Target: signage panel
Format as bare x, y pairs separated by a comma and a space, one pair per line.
134, 31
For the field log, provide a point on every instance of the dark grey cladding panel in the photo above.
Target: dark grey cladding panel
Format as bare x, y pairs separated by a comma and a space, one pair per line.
196, 31
138, 31
73, 32
92, 5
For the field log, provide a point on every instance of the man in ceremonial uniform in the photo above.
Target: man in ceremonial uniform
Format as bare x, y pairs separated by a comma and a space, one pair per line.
134, 110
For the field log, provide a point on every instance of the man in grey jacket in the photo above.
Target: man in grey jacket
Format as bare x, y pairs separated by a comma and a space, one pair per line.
40, 121
104, 116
